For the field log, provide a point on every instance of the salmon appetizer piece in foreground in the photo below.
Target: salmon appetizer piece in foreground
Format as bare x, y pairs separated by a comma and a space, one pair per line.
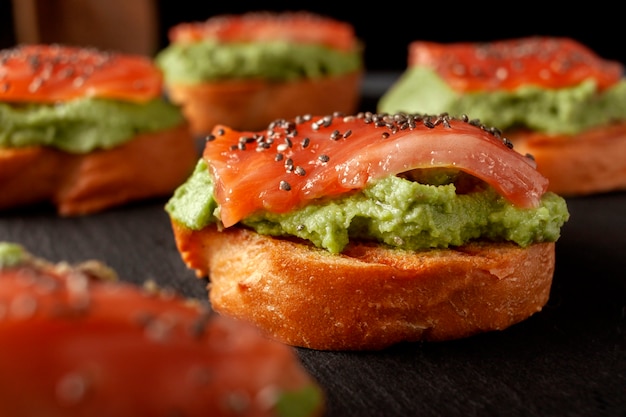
553, 98
76, 341
246, 70
355, 232
87, 130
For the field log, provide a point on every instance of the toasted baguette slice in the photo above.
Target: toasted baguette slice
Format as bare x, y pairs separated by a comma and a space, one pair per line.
150, 165
370, 297
591, 162
252, 104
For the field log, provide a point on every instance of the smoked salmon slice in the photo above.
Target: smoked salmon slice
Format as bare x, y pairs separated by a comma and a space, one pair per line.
294, 162
512, 63
51, 73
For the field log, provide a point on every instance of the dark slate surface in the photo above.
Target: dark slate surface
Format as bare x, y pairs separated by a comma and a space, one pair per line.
567, 360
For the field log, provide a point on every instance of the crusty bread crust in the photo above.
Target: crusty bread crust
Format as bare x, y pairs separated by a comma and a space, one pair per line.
150, 165
591, 162
368, 297
252, 104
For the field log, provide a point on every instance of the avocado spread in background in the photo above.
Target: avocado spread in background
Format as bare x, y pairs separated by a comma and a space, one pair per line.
563, 111
395, 211
83, 125
203, 61
11, 254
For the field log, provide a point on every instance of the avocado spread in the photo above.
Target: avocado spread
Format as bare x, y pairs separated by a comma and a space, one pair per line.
83, 125
207, 60
394, 211
299, 403
11, 254
552, 111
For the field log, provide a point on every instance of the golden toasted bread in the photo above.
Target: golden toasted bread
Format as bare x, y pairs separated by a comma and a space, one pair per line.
252, 104
148, 166
590, 162
369, 296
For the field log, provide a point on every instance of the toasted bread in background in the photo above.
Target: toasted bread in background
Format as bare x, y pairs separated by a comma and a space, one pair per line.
81, 184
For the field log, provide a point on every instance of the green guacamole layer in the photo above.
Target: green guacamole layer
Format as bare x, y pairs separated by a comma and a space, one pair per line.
563, 111
11, 254
393, 210
83, 125
277, 61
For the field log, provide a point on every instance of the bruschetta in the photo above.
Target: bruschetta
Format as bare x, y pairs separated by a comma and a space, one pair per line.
552, 97
87, 130
356, 232
246, 70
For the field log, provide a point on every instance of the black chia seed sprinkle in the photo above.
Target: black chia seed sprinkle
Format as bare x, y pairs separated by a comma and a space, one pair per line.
57, 62
302, 119
389, 123
263, 146
247, 139
199, 325
284, 185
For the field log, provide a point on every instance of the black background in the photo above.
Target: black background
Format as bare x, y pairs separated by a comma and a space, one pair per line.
386, 28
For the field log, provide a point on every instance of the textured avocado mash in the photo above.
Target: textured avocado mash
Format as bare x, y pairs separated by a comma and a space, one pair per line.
301, 403
567, 111
395, 211
11, 254
278, 61
80, 126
